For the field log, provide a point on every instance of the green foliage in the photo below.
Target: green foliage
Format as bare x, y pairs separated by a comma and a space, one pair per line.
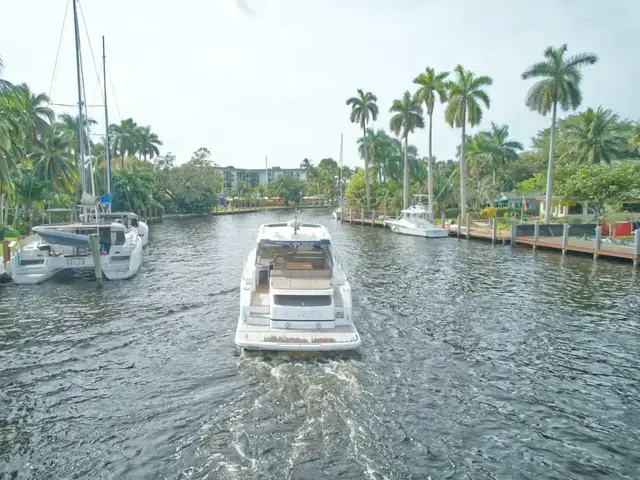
534, 184
597, 183
7, 232
286, 187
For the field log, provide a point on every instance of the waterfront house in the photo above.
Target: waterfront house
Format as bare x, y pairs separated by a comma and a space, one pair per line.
514, 200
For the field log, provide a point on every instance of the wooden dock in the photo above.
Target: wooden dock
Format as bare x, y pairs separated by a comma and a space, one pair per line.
551, 237
577, 245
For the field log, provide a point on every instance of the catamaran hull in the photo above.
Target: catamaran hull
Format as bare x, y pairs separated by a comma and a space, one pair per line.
143, 233
111, 269
418, 232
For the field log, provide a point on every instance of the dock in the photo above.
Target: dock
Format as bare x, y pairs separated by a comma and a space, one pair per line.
562, 237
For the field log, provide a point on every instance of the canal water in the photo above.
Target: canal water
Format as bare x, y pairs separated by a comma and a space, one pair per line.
478, 362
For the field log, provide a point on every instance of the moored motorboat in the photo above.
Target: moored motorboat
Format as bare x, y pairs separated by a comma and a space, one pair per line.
294, 294
417, 220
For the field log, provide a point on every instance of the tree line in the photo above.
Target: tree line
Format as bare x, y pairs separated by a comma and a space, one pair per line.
594, 144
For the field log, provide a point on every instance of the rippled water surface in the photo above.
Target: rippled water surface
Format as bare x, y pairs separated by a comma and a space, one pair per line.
478, 362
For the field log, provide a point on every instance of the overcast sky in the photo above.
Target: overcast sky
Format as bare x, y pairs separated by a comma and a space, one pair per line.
255, 78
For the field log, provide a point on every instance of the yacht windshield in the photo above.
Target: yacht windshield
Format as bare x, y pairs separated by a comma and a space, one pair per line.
286, 255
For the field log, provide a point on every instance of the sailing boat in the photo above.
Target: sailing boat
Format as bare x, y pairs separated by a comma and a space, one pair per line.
54, 248
337, 213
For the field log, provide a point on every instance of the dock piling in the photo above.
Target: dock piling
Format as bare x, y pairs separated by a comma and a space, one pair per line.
468, 224
597, 241
536, 233
514, 231
565, 237
443, 221
636, 246
94, 242
494, 230
6, 253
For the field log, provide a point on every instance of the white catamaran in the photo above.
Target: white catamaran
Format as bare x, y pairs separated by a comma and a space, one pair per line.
294, 294
118, 238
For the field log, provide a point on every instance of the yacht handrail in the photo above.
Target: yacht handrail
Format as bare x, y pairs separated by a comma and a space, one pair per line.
338, 259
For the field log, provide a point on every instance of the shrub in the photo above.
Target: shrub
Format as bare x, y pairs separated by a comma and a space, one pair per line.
488, 212
6, 231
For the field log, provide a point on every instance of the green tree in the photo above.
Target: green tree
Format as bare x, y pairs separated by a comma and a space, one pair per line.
407, 117
466, 94
559, 86
500, 150
596, 136
432, 86
147, 142
364, 108
597, 183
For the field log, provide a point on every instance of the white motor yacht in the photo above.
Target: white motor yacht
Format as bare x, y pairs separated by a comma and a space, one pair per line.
294, 294
417, 220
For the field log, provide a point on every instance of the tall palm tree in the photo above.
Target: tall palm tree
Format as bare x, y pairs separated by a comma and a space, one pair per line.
408, 117
124, 139
596, 136
307, 168
147, 142
499, 149
465, 96
560, 85
36, 114
431, 87
363, 109
372, 143
52, 161
68, 128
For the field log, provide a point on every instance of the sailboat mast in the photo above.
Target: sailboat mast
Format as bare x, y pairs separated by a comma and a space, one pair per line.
107, 142
341, 170
80, 152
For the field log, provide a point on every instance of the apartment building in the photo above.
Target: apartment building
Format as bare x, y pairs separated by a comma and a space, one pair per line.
256, 176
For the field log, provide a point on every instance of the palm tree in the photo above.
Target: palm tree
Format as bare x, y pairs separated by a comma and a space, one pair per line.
124, 139
431, 86
465, 95
500, 150
372, 143
408, 117
560, 85
36, 114
52, 162
307, 168
68, 128
147, 142
596, 136
4, 84
363, 109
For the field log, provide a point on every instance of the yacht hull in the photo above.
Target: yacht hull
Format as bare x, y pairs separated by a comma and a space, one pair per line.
417, 232
264, 337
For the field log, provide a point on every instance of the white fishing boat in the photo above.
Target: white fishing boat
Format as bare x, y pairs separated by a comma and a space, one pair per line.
54, 248
417, 220
294, 293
